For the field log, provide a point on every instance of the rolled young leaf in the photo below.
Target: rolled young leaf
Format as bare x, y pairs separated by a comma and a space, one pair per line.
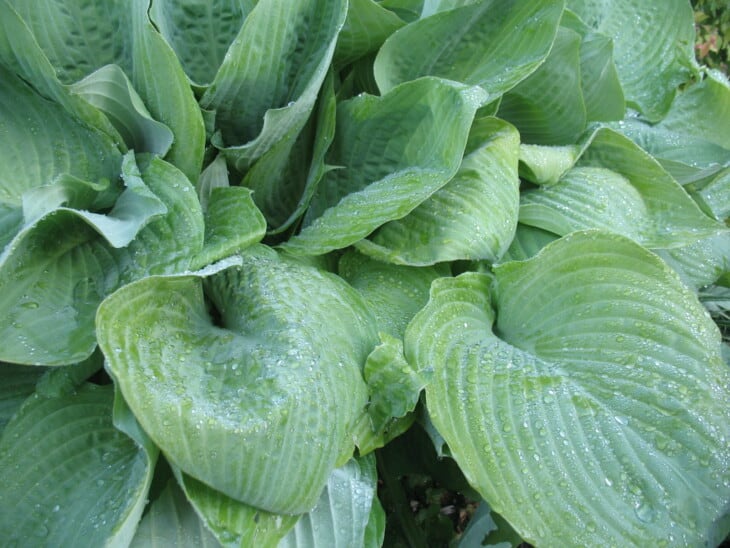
258, 403
600, 387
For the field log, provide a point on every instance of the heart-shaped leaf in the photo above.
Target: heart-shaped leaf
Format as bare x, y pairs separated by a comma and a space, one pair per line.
270, 389
597, 385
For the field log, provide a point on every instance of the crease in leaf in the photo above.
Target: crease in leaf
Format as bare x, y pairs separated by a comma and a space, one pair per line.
471, 217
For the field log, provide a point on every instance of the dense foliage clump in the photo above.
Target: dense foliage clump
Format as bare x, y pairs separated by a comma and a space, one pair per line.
363, 273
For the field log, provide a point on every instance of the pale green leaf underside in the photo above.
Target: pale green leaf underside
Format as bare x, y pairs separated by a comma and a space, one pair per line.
490, 44
392, 152
544, 165
472, 217
110, 91
652, 46
271, 390
600, 388
66, 490
341, 515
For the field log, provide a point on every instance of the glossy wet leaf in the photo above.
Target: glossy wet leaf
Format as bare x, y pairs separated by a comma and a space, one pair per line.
596, 381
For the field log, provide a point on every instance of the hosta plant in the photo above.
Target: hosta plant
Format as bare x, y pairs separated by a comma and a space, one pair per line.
265, 264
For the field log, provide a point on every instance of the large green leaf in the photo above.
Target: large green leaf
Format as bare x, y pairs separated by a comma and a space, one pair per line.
491, 44
593, 410
394, 152
56, 271
80, 36
472, 217
652, 46
17, 382
618, 186
21, 54
341, 515
548, 106
270, 389
71, 478
266, 87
